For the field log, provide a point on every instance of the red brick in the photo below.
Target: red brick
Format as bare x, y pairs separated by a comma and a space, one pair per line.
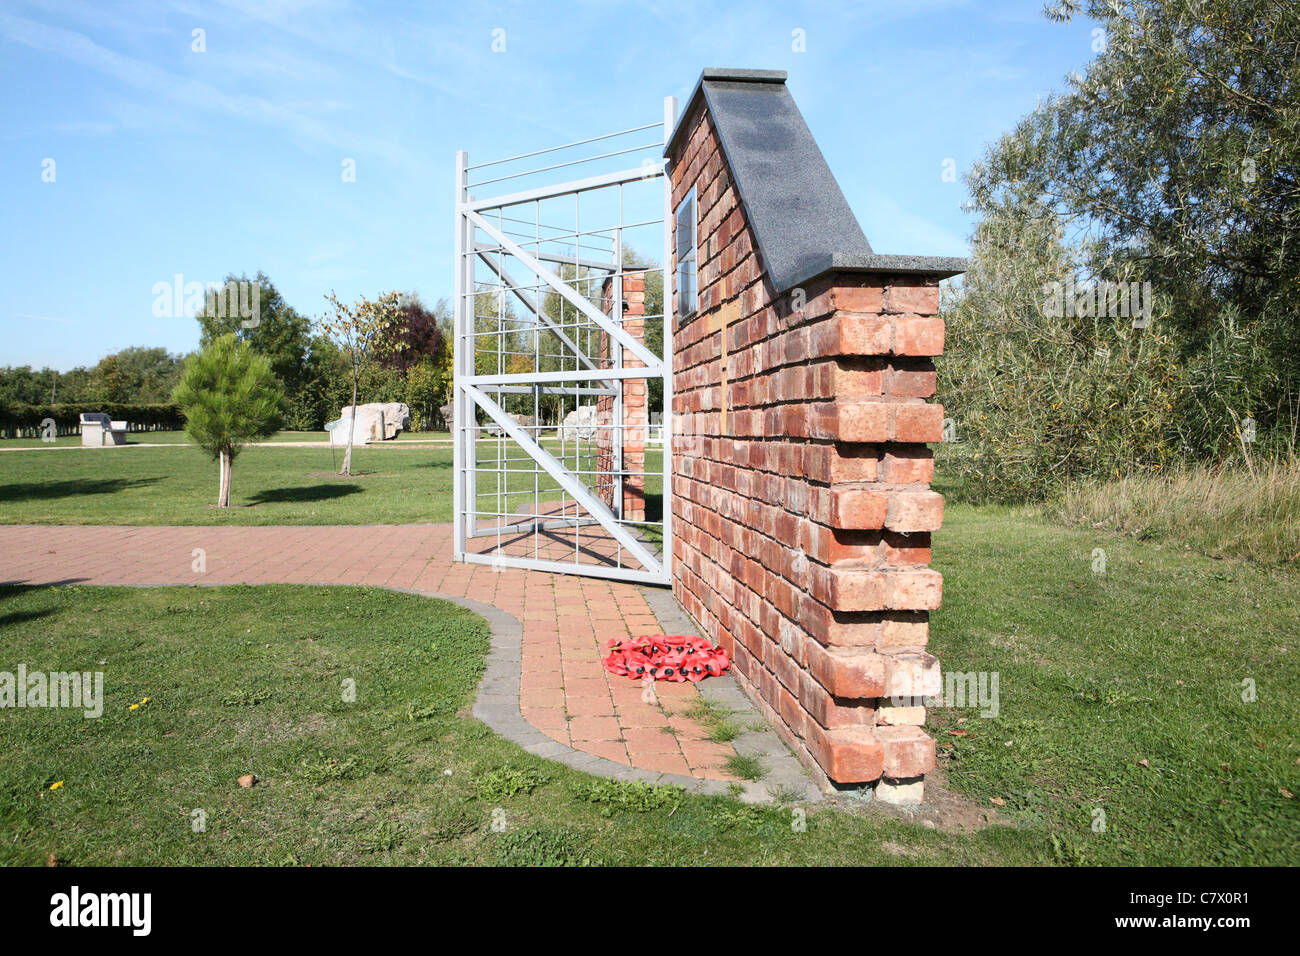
837, 546
846, 377
858, 507
904, 629
915, 589
857, 298
839, 630
852, 421
911, 674
918, 335
791, 713
910, 382
917, 422
907, 548
853, 294
832, 712
920, 299
850, 590
907, 751
840, 462
906, 466
847, 755
851, 333
901, 589
914, 511
849, 672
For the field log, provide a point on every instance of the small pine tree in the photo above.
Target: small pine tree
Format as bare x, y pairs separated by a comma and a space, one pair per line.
229, 395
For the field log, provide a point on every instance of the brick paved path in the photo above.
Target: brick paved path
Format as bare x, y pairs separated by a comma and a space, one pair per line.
564, 692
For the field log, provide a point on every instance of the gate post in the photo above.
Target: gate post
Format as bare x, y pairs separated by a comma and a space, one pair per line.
629, 439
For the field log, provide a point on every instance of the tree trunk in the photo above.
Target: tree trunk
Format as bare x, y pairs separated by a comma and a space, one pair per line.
352, 430
223, 495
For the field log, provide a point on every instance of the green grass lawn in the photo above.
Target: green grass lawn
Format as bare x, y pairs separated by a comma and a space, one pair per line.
250, 680
393, 484
1119, 692
1101, 672
180, 438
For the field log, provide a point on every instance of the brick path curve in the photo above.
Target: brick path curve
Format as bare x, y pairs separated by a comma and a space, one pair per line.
563, 690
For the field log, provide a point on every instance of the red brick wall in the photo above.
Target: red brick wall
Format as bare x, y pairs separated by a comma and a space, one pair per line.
635, 417
802, 508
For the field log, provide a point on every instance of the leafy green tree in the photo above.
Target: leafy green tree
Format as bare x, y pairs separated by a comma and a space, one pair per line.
21, 384
428, 388
322, 388
229, 395
278, 331
1174, 158
140, 374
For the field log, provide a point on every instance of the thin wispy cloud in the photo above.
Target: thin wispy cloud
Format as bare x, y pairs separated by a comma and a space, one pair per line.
165, 85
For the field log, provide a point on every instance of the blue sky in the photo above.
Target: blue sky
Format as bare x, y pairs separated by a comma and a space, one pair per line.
168, 160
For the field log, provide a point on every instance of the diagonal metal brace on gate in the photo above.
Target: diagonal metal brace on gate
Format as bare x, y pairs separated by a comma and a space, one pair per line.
571, 485
654, 363
532, 307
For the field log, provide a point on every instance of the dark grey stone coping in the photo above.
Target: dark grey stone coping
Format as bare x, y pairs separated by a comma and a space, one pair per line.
936, 267
719, 73
497, 705
802, 223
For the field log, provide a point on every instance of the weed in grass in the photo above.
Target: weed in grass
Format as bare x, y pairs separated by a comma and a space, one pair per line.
745, 766
752, 817
246, 698
324, 769
507, 781
382, 838
1067, 852
716, 720
627, 796
438, 708
543, 845
449, 822
706, 711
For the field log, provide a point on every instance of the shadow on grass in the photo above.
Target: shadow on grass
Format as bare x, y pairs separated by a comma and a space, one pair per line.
72, 488
21, 617
303, 493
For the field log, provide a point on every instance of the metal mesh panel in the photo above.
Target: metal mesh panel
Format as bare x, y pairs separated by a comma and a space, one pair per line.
558, 290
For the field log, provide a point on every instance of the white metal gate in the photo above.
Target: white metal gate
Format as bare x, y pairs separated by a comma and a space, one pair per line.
555, 464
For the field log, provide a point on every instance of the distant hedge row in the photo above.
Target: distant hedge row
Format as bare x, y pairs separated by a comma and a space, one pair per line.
20, 420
